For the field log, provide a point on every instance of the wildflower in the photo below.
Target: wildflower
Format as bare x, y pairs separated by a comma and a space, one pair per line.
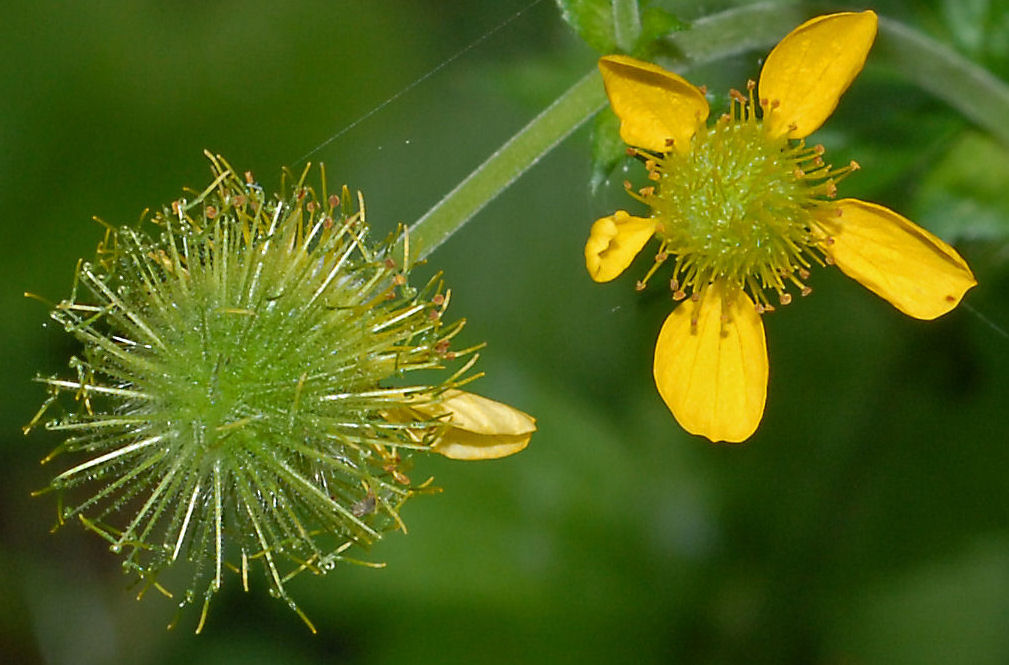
744, 207
242, 398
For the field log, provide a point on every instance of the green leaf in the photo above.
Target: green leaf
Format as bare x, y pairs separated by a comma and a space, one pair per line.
624, 26
656, 23
593, 21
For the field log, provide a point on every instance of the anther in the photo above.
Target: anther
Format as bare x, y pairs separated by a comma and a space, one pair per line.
249, 180
647, 191
398, 475
654, 175
631, 152
806, 291
650, 164
399, 280
819, 149
703, 89
310, 206
798, 173
679, 295
792, 126
669, 143
854, 166
390, 264
803, 273
674, 284
695, 297
211, 212
627, 184
334, 200
438, 299
661, 256
639, 285
738, 96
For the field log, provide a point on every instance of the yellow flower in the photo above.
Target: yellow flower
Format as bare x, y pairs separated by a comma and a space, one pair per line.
744, 207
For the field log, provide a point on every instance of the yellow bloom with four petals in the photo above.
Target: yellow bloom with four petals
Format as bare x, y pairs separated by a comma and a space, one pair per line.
744, 207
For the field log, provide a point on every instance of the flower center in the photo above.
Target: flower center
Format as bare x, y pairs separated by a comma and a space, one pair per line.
740, 207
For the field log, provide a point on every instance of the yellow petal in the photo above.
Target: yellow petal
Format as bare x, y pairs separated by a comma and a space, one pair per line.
613, 243
809, 70
711, 365
480, 428
654, 105
891, 256
463, 445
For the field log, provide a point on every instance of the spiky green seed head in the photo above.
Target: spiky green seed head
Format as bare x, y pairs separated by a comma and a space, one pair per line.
243, 396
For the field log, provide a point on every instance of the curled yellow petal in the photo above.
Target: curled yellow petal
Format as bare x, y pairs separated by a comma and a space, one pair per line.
711, 365
655, 106
805, 75
613, 243
915, 271
479, 428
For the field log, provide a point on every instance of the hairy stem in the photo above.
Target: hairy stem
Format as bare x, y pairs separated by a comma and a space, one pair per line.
941, 71
968, 88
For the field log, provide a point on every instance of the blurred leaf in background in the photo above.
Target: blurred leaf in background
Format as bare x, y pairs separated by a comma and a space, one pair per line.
867, 520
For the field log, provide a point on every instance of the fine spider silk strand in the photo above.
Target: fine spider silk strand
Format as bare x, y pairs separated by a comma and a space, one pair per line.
442, 65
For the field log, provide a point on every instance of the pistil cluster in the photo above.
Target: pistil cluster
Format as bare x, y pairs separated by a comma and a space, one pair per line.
740, 206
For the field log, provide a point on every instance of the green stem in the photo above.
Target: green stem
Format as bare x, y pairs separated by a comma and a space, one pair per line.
936, 68
711, 38
966, 87
503, 167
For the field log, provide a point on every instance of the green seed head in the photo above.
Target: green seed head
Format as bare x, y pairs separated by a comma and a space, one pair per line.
240, 396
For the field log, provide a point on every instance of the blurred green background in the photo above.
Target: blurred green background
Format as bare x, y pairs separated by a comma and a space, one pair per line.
867, 521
